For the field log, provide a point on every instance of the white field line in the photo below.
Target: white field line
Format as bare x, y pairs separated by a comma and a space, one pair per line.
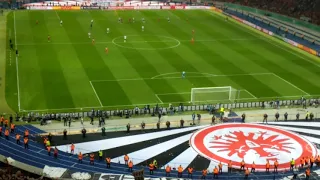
94, 90
136, 42
17, 63
271, 42
291, 84
165, 94
179, 77
254, 97
133, 105
158, 98
58, 16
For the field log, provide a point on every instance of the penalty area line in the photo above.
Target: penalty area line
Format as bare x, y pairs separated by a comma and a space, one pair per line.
305, 93
158, 98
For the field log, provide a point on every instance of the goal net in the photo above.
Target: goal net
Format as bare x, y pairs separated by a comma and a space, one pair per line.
225, 94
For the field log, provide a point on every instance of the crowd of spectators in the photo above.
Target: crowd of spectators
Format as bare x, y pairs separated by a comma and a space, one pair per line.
16, 174
301, 9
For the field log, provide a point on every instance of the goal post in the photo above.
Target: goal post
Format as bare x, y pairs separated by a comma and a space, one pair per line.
213, 94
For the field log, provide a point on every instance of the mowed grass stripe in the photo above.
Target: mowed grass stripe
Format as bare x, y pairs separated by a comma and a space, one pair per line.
76, 78
30, 81
50, 67
11, 81
95, 67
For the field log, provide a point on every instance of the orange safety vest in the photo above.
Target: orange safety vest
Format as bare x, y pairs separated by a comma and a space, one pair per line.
48, 148
312, 159
247, 172
12, 126
307, 160
242, 163
230, 165
253, 166
180, 169
126, 158
190, 170
318, 158
6, 121
220, 166
276, 164
2, 119
26, 140
108, 160
302, 160
6, 132
17, 136
215, 171
168, 169
268, 165
308, 172
72, 147
91, 157
151, 166
80, 156
204, 172
130, 165
26, 132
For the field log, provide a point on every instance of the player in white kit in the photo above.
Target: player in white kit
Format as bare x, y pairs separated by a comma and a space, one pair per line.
142, 28
108, 30
125, 38
133, 19
89, 35
61, 23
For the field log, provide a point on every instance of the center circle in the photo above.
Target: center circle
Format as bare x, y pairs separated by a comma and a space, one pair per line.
146, 42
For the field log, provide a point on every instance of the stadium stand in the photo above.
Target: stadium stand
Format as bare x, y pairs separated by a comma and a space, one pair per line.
302, 9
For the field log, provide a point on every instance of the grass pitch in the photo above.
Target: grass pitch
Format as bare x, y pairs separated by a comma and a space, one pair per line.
69, 72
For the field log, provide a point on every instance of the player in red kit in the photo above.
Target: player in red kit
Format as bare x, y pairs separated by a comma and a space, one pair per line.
92, 41
49, 38
37, 22
107, 50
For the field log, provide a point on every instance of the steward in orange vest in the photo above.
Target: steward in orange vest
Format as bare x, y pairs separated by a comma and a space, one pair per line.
92, 158
230, 166
80, 156
108, 161
246, 174
308, 172
72, 148
276, 164
0, 131
151, 168
307, 160
6, 123
168, 170
302, 161
267, 166
204, 174
242, 165
253, 167
220, 168
18, 138
1, 120
12, 126
311, 162
180, 170
6, 134
126, 159
318, 160
26, 133
45, 142
130, 166
190, 171
26, 143
215, 172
